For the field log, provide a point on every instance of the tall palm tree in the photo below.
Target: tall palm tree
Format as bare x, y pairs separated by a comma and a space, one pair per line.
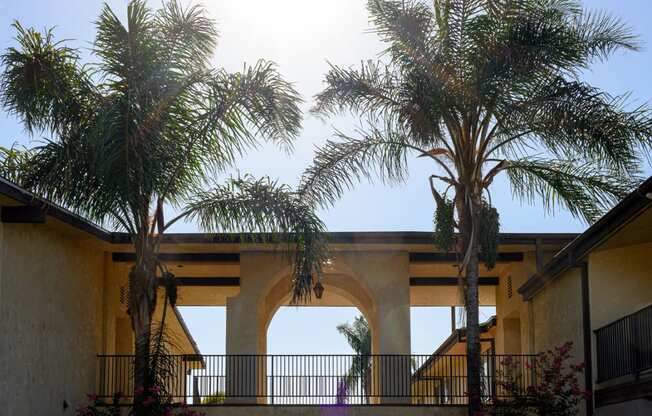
358, 336
150, 123
13, 160
482, 88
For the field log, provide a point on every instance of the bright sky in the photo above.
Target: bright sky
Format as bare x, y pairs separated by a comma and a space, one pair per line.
301, 36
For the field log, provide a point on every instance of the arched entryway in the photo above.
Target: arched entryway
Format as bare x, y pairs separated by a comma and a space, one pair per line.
376, 284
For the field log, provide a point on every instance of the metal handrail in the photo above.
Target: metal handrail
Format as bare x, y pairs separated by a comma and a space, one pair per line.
624, 347
307, 379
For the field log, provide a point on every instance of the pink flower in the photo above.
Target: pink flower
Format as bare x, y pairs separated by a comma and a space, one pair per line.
92, 397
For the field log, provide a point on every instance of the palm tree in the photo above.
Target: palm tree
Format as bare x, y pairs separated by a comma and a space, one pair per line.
148, 124
13, 160
480, 88
358, 336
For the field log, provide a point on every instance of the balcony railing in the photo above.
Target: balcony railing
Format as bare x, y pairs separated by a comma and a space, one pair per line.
319, 379
624, 347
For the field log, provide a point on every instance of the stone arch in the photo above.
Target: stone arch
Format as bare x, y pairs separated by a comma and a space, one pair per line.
340, 290
376, 282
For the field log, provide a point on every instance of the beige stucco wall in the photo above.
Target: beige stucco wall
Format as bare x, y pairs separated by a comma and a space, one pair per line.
557, 313
514, 334
620, 282
50, 307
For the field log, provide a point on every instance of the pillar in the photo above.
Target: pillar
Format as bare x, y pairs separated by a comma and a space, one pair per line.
246, 337
244, 366
393, 322
387, 277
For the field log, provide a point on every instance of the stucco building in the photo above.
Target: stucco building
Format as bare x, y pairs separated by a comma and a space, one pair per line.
64, 323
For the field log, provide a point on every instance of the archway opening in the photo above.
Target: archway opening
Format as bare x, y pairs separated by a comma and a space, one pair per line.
311, 356
319, 355
310, 330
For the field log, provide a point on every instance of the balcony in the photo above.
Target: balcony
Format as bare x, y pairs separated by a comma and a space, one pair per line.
434, 380
624, 347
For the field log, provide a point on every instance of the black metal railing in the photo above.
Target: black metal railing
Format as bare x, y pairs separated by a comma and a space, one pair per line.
320, 379
624, 347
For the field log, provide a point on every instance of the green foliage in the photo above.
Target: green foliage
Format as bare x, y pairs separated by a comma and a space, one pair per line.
476, 86
149, 122
482, 88
556, 391
445, 225
581, 187
489, 232
358, 336
144, 126
217, 398
14, 162
261, 205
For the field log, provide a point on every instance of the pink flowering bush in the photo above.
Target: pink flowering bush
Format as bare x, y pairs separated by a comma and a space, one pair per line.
554, 390
155, 401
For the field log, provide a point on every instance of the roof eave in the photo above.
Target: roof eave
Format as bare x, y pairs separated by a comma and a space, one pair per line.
574, 253
18, 194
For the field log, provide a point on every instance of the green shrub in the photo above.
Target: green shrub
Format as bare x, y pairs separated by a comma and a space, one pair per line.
214, 399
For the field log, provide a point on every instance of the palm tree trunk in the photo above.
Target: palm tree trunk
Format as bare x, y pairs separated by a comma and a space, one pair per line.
469, 205
142, 300
142, 332
473, 334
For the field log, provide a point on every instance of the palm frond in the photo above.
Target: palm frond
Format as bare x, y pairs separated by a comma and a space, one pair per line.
15, 162
570, 117
250, 205
406, 26
602, 34
43, 83
373, 91
236, 108
189, 34
338, 165
367, 91
583, 188
358, 336
129, 52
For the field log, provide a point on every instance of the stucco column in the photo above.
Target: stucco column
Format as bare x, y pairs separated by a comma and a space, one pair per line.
246, 338
244, 368
393, 323
387, 277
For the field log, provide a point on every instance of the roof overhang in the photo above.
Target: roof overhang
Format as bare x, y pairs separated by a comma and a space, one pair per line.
630, 208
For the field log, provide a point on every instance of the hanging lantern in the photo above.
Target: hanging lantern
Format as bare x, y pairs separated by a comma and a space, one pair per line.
318, 289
